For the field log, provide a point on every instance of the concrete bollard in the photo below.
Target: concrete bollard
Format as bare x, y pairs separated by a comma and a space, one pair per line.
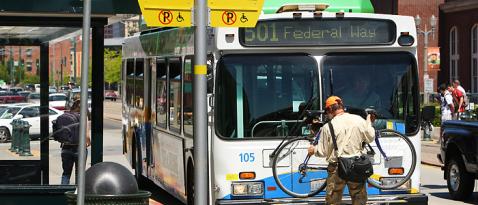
26, 139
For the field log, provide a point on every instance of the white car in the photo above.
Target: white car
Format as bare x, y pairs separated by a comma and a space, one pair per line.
26, 112
57, 100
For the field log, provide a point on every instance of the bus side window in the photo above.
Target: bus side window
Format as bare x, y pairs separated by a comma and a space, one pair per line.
188, 98
210, 74
175, 95
129, 81
139, 84
161, 93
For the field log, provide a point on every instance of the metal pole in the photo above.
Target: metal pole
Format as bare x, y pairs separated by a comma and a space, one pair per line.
200, 105
84, 101
425, 64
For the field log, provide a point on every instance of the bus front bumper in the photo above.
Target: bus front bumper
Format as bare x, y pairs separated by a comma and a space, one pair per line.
410, 199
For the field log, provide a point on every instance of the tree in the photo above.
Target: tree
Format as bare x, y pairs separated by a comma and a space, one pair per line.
31, 79
112, 65
4, 74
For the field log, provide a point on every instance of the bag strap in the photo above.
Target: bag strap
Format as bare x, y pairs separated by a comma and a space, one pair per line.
334, 140
331, 128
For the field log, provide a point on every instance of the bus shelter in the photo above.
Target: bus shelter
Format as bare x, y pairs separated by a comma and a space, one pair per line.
36, 24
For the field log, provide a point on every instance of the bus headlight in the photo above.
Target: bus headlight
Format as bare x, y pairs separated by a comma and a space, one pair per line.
247, 188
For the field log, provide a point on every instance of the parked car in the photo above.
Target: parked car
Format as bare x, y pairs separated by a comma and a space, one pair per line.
52, 89
459, 145
9, 97
16, 89
27, 112
34, 98
57, 100
111, 95
37, 88
30, 87
75, 95
25, 94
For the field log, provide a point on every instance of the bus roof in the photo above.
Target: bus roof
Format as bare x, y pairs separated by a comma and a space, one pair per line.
356, 6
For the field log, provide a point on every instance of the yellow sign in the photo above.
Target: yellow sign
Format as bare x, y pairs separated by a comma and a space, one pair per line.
167, 13
225, 13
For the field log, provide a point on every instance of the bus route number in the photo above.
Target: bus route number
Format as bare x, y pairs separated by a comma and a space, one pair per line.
247, 157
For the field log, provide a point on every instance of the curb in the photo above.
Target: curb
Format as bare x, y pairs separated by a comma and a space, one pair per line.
432, 164
112, 118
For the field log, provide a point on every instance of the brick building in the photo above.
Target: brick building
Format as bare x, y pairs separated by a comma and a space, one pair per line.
425, 9
459, 43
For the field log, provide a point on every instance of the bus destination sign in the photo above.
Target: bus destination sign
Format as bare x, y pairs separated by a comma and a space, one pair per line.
319, 32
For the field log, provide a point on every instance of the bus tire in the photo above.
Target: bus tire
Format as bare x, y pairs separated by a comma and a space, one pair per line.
460, 183
190, 184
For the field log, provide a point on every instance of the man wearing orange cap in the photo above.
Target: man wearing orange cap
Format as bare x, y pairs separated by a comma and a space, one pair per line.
351, 132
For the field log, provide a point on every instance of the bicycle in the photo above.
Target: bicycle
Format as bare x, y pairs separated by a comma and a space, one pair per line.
300, 175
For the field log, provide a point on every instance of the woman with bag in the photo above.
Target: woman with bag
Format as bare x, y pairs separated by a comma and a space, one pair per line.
342, 144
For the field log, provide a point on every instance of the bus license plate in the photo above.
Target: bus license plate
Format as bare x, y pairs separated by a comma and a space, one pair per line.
316, 184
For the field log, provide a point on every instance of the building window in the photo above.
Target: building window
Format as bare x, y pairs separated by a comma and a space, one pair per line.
474, 59
454, 56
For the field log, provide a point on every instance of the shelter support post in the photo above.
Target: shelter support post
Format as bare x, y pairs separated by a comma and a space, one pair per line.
44, 121
97, 94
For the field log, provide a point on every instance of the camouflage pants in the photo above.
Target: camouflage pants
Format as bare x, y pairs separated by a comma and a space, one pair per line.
336, 185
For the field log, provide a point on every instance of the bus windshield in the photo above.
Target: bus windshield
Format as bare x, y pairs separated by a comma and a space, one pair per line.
259, 91
383, 81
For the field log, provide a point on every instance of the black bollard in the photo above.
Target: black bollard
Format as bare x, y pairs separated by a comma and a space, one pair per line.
26, 139
13, 140
19, 136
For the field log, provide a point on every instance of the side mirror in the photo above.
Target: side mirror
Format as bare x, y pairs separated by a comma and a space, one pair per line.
428, 113
19, 116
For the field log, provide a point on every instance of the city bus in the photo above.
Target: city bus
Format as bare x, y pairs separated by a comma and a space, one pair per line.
259, 80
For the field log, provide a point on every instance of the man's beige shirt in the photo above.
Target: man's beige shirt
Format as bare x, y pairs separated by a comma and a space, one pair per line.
351, 131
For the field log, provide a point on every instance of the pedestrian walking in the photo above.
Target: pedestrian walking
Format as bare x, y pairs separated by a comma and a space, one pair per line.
344, 137
446, 105
66, 131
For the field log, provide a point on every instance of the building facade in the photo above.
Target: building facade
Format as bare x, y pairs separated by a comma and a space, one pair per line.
459, 43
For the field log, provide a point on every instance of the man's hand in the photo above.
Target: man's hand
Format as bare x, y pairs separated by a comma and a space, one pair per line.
311, 150
371, 118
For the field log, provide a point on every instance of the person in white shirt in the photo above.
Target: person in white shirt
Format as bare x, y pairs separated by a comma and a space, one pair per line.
447, 106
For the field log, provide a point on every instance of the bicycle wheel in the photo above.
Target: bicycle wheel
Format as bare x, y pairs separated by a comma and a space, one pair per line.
399, 164
297, 174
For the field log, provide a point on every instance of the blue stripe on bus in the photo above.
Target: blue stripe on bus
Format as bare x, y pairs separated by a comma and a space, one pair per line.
278, 193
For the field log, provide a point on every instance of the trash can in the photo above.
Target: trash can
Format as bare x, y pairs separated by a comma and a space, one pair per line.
140, 198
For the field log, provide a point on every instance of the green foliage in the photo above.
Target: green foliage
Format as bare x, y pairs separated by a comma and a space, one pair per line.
112, 63
31, 79
4, 74
19, 75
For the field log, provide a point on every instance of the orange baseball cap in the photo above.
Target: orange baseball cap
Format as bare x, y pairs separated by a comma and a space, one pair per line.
331, 101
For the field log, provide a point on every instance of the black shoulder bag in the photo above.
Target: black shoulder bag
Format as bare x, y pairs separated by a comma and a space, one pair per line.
354, 169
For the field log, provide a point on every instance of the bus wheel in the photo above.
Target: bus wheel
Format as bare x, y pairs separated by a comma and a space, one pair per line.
190, 185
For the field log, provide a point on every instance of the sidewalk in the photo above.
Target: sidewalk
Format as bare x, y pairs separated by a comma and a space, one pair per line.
430, 149
112, 110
